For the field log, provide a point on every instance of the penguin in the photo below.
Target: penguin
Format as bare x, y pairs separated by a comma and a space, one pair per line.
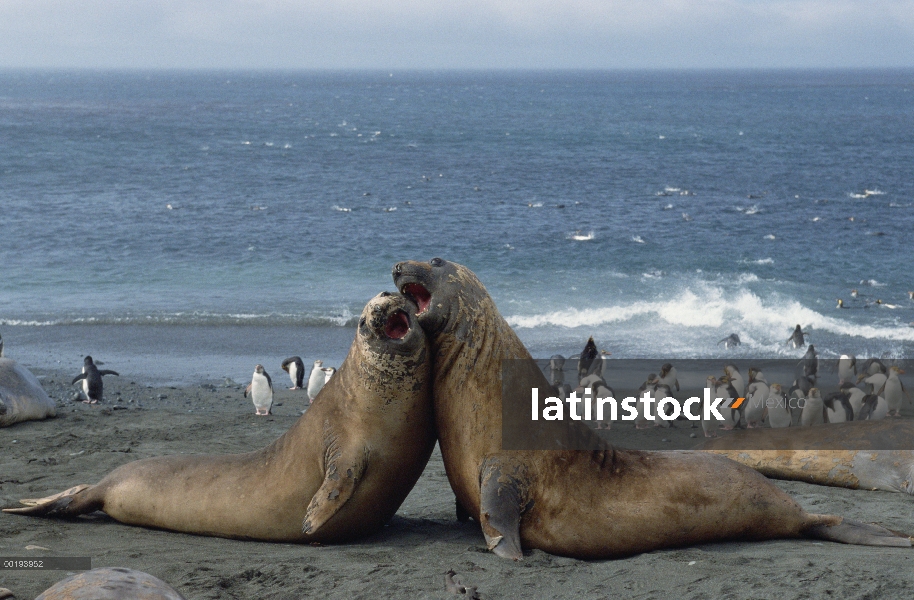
731, 341
911, 295
328, 373
316, 380
1, 346
736, 381
557, 370
660, 392
873, 365
586, 363
710, 426
778, 411
798, 337
840, 304
811, 364
602, 391
847, 368
296, 370
261, 391
756, 396
892, 390
874, 382
838, 408
726, 390
813, 409
855, 397
92, 381
668, 377
795, 395
650, 385
874, 408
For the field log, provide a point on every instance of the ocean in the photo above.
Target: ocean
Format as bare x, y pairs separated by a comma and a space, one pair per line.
182, 226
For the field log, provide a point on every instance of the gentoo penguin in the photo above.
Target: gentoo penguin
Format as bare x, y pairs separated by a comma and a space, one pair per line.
587, 362
847, 368
92, 381
778, 413
874, 408
296, 370
650, 385
756, 396
811, 364
893, 390
838, 408
261, 391
798, 337
316, 380
668, 377
731, 341
813, 410
710, 426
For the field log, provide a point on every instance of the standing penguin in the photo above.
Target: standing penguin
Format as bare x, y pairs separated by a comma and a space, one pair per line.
847, 368
893, 390
316, 380
778, 412
296, 370
261, 390
798, 337
838, 408
587, 362
669, 377
710, 426
811, 364
92, 381
756, 398
813, 410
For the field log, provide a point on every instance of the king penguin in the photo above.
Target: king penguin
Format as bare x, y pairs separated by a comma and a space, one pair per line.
92, 381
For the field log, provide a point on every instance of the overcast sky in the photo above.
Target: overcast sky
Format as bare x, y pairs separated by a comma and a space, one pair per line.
408, 34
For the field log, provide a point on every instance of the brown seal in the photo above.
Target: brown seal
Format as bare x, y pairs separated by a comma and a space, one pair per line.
340, 472
111, 583
600, 503
792, 453
21, 396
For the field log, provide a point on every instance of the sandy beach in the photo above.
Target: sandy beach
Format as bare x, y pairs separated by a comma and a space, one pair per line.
407, 559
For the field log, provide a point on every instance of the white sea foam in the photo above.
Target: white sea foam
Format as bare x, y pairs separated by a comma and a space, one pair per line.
638, 239
761, 261
341, 208
581, 237
770, 236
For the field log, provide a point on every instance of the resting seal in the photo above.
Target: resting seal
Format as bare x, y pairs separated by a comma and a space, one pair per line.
111, 583
792, 454
21, 396
340, 472
601, 503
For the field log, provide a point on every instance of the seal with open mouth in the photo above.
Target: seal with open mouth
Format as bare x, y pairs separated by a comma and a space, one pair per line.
600, 503
340, 472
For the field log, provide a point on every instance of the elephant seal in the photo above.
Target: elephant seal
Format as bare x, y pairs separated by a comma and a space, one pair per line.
793, 454
599, 503
21, 396
111, 583
340, 472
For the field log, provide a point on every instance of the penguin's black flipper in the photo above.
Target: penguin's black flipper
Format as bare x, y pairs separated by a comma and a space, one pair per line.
78, 377
108, 372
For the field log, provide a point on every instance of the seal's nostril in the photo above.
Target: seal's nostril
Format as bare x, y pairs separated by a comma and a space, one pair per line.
385, 294
398, 268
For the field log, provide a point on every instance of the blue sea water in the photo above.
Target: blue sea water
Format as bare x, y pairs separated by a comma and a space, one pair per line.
657, 211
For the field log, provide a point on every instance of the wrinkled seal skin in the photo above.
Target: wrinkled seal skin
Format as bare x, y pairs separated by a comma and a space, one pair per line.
111, 583
603, 503
340, 472
791, 454
21, 396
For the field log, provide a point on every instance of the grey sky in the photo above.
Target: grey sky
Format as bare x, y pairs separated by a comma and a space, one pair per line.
398, 34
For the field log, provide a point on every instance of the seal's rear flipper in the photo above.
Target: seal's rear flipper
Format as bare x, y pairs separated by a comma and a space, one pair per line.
849, 531
61, 504
500, 508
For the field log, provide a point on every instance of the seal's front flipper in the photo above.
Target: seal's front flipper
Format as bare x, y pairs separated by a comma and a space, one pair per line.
340, 480
500, 506
61, 504
848, 531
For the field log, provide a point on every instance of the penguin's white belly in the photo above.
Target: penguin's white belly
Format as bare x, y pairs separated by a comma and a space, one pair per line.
261, 394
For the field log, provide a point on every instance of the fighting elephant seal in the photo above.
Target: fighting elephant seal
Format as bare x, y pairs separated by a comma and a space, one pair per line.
21, 396
341, 471
601, 503
111, 583
794, 454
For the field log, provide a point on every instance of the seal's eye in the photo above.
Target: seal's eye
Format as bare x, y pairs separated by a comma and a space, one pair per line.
436, 262
362, 322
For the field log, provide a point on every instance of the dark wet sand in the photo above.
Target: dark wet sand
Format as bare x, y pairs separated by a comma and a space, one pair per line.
407, 559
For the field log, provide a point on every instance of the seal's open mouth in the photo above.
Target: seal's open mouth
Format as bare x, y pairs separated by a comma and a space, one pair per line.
397, 325
418, 294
